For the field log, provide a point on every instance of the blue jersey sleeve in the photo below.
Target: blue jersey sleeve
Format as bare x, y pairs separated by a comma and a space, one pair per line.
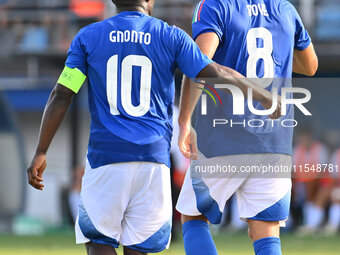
209, 16
189, 58
76, 56
302, 38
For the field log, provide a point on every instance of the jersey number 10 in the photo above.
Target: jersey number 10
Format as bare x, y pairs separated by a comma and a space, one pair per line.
126, 84
256, 53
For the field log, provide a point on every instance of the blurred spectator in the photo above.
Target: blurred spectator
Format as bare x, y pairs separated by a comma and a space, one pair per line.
62, 34
87, 8
6, 39
333, 223
51, 3
310, 189
4, 3
35, 39
17, 29
328, 20
24, 3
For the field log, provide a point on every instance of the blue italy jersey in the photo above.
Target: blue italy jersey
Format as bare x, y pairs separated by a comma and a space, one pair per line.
257, 38
130, 60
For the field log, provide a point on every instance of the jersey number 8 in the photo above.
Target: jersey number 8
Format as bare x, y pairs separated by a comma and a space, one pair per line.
126, 84
256, 53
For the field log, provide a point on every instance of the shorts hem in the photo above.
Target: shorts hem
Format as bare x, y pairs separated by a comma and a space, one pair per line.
133, 247
103, 242
187, 213
213, 221
82, 241
265, 219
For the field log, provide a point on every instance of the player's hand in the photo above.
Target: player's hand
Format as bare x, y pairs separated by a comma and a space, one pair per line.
267, 104
36, 170
187, 142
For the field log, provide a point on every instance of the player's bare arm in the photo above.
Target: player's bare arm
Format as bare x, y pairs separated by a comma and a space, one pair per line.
55, 111
305, 61
208, 43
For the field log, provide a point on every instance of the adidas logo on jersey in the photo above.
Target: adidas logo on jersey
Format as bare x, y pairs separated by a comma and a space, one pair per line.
257, 9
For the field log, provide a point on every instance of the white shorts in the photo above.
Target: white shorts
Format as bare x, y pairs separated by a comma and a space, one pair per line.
128, 204
260, 197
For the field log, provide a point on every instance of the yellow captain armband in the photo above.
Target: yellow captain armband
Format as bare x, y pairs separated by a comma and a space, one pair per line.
72, 78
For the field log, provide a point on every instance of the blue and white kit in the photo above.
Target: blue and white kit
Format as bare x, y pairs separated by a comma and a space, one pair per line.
258, 39
130, 60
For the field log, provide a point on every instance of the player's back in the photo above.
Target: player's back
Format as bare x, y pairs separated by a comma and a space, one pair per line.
130, 60
125, 55
257, 38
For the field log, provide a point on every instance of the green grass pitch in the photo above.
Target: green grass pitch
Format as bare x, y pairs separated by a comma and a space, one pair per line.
63, 244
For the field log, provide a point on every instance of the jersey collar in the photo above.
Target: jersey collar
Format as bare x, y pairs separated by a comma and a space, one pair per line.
131, 14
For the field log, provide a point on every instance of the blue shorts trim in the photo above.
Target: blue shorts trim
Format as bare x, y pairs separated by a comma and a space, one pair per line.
205, 203
277, 212
157, 242
89, 230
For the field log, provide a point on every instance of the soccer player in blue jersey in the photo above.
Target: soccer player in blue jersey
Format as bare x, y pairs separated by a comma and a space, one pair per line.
260, 39
129, 60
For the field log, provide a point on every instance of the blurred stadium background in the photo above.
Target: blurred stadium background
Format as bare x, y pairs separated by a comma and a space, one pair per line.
34, 38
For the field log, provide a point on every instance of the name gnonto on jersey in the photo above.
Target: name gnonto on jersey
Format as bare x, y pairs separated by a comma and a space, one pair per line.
130, 36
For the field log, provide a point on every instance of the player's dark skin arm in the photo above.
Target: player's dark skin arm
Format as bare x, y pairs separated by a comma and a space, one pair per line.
55, 110
230, 76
